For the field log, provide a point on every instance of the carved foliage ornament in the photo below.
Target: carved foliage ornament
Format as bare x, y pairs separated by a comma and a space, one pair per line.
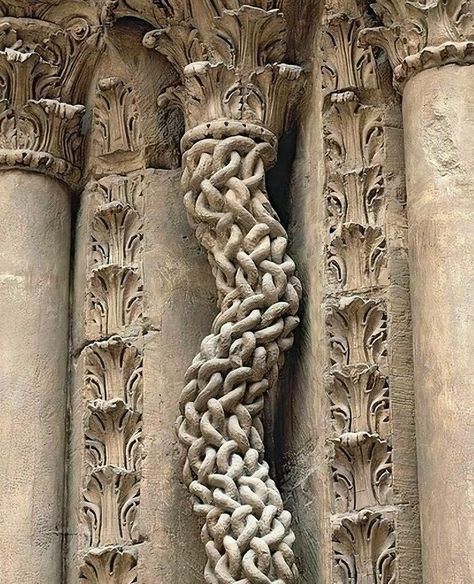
346, 65
420, 35
38, 83
231, 65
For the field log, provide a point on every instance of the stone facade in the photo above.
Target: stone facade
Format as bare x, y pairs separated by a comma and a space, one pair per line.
268, 381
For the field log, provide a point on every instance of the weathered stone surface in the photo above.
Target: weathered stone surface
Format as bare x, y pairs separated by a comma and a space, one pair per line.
177, 396
34, 290
439, 146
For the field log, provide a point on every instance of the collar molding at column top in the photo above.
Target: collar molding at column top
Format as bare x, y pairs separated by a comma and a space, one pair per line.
424, 34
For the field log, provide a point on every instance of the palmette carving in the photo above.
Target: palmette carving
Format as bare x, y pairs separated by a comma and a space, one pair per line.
357, 258
113, 433
113, 383
115, 299
357, 332
126, 191
359, 400
355, 197
364, 550
114, 371
362, 472
111, 501
346, 65
354, 135
109, 566
116, 235
116, 119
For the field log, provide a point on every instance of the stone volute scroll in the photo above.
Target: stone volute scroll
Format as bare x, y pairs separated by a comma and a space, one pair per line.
236, 94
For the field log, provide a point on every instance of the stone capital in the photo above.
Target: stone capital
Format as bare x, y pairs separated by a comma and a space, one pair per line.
231, 64
42, 84
420, 35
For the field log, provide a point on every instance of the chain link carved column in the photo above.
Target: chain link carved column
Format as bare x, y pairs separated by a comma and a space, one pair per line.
431, 49
236, 95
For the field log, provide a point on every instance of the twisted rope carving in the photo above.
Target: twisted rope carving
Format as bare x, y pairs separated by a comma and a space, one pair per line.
246, 532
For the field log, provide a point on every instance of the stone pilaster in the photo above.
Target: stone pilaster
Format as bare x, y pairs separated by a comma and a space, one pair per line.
431, 48
236, 93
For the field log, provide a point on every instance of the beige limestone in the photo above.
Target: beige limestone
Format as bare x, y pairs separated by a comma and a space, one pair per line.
34, 276
439, 146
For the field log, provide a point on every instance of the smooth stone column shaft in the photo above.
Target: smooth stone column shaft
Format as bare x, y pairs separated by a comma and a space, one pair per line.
438, 111
34, 290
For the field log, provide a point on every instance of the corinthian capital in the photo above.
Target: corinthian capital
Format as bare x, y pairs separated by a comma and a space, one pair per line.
230, 56
423, 34
42, 84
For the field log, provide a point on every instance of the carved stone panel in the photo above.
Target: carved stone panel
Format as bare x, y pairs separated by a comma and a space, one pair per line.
364, 550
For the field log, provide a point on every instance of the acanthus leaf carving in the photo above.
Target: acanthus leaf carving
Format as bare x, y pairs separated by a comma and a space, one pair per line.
116, 120
423, 34
111, 503
357, 258
231, 66
249, 38
24, 76
345, 64
113, 433
355, 197
113, 369
70, 51
354, 135
110, 565
362, 472
364, 550
357, 332
115, 300
359, 399
116, 236
119, 190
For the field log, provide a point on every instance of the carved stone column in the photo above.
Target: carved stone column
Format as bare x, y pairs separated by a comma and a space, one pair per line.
236, 94
39, 161
431, 47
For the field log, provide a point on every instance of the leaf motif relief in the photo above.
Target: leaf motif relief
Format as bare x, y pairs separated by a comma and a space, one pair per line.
357, 258
355, 197
109, 566
357, 332
345, 64
361, 471
364, 550
113, 370
116, 235
111, 502
115, 300
126, 191
117, 122
113, 433
360, 400
354, 136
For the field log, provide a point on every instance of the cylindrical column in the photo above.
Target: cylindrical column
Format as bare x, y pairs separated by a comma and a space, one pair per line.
439, 141
34, 276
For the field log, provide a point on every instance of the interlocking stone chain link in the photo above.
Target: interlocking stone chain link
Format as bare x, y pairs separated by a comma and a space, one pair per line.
247, 533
